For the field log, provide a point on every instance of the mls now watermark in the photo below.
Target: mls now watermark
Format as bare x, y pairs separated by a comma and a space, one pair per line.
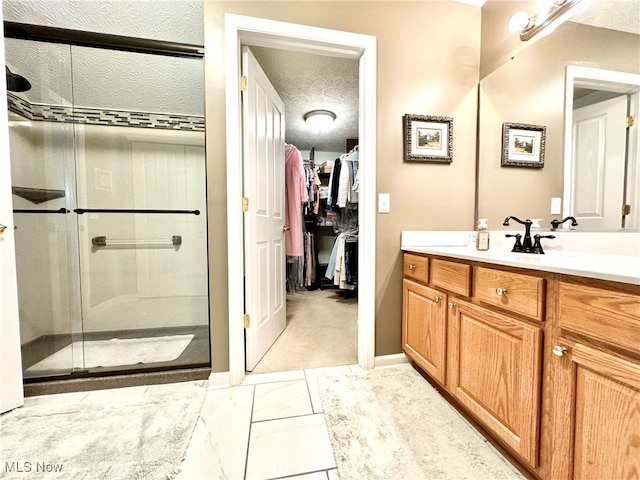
32, 467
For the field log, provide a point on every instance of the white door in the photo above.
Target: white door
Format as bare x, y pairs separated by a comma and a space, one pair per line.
599, 142
263, 183
11, 395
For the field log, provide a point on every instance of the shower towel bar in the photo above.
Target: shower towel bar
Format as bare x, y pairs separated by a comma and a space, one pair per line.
80, 211
102, 241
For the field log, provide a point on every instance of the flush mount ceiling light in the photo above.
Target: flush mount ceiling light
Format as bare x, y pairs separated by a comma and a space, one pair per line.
549, 17
319, 119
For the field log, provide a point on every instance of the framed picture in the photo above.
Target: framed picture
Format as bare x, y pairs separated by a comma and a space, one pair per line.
523, 145
428, 139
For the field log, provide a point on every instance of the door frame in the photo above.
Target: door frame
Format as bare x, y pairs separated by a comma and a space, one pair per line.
242, 30
11, 391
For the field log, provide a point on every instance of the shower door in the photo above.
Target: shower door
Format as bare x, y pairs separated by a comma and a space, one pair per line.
108, 178
43, 179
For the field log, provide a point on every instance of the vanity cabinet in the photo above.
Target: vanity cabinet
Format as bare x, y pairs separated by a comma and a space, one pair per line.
487, 358
424, 328
547, 363
596, 401
494, 365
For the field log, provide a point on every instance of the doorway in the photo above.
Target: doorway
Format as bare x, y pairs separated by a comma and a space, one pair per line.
240, 30
320, 328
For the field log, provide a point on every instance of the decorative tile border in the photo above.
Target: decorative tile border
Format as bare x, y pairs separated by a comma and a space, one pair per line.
96, 116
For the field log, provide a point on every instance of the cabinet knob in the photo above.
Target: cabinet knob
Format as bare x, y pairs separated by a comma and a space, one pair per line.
412, 267
2, 228
501, 292
437, 298
559, 350
451, 305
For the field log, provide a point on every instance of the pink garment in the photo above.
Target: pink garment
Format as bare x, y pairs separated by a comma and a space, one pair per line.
295, 192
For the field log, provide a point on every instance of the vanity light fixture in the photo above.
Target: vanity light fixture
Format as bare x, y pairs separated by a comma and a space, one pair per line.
548, 18
319, 119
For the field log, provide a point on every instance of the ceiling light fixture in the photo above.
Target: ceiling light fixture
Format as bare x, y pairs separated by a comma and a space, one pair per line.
319, 119
547, 18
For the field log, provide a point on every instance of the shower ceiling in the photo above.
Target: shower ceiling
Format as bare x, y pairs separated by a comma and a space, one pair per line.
107, 79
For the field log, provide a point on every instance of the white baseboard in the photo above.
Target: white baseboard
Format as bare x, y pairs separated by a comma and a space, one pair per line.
219, 380
387, 360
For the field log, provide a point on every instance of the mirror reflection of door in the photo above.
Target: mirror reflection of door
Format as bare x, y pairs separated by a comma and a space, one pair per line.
599, 153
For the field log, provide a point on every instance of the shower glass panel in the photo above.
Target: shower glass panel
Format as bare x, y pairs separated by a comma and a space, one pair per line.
42, 171
135, 247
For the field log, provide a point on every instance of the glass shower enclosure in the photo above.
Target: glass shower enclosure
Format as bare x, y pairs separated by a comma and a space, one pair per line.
109, 194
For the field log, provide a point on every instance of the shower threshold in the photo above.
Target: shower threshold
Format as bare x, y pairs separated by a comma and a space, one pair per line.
41, 357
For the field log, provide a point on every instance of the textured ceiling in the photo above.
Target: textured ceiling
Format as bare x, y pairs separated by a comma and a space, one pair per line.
106, 78
171, 20
308, 82
621, 15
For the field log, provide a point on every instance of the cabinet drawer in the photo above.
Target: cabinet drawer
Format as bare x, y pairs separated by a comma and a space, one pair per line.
605, 315
452, 276
416, 267
523, 294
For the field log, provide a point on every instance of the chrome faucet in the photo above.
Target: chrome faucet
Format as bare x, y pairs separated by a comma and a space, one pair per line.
526, 241
555, 223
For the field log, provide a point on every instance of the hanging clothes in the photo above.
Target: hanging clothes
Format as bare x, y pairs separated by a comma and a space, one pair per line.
343, 263
296, 194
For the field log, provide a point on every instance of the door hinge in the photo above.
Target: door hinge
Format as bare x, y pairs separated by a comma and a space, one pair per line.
247, 320
245, 204
630, 121
626, 209
243, 83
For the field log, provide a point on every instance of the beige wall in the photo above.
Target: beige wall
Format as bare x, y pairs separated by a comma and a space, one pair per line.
428, 63
498, 42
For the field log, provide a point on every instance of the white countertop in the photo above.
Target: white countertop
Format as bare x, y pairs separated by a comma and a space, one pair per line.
617, 268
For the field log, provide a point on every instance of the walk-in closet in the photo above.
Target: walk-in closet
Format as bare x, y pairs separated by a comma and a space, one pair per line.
321, 198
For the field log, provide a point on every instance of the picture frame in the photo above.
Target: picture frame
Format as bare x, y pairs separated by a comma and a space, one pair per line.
428, 139
523, 145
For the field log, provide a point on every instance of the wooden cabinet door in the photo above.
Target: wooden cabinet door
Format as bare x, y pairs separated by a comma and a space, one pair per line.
494, 370
424, 328
607, 415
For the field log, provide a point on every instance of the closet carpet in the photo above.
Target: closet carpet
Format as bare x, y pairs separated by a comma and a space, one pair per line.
322, 331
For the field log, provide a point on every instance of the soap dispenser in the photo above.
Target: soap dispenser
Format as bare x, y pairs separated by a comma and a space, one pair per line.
482, 237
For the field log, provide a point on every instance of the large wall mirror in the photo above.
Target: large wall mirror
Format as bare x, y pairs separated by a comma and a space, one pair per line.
581, 64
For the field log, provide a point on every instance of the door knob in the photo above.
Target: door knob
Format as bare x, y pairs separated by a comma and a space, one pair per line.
2, 228
284, 228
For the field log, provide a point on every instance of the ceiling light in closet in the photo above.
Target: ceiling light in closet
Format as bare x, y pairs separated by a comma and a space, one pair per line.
319, 119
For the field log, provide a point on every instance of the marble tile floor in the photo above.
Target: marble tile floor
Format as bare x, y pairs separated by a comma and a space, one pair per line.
270, 427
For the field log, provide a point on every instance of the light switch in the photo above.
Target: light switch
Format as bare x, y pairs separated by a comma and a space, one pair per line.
556, 205
384, 203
